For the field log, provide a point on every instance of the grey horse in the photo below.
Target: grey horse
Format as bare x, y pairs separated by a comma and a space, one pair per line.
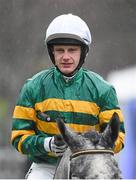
89, 155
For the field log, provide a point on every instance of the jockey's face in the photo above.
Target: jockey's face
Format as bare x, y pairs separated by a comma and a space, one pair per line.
67, 57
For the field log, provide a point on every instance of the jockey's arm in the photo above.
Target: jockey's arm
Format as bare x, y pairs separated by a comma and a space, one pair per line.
109, 106
24, 137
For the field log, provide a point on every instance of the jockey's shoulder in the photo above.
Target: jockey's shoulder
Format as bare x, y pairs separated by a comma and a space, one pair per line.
95, 78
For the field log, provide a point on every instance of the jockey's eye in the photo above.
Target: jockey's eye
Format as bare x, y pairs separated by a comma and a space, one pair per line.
59, 50
73, 49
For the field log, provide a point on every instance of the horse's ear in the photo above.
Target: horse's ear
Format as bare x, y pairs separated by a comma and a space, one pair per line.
71, 138
67, 134
115, 126
112, 130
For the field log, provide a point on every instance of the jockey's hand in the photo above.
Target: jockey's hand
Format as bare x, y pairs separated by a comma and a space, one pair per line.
55, 144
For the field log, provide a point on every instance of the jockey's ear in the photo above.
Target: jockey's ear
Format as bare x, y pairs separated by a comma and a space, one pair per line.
71, 138
111, 132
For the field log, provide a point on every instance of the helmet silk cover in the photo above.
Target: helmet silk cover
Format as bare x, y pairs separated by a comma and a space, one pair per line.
69, 26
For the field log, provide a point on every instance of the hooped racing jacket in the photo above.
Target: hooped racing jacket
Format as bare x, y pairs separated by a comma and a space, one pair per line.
85, 102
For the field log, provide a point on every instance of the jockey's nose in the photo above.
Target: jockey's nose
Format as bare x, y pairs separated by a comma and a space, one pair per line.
66, 55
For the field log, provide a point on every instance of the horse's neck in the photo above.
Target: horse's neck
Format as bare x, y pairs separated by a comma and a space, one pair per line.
62, 171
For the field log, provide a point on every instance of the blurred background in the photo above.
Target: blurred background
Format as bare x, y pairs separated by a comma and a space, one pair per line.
112, 54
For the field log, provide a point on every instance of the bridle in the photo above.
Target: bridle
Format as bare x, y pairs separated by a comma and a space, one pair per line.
86, 152
91, 151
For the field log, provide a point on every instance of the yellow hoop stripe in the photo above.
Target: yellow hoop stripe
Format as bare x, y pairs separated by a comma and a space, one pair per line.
68, 106
21, 141
105, 116
16, 133
51, 127
21, 112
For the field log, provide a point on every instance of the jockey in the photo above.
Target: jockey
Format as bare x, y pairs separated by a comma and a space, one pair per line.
81, 97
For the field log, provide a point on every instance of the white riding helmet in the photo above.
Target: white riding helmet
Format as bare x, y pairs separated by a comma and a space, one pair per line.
68, 29
69, 26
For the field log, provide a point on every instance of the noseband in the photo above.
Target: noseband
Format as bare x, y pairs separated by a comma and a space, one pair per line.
86, 152
91, 151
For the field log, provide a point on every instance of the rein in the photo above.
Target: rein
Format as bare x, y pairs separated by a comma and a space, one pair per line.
86, 152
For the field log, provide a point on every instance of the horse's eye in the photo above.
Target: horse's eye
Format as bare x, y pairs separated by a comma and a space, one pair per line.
74, 177
79, 176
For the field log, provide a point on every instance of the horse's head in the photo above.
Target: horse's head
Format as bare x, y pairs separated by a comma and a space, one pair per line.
90, 139
91, 151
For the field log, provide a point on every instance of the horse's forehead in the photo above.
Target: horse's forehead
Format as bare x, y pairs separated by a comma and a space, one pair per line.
93, 136
97, 166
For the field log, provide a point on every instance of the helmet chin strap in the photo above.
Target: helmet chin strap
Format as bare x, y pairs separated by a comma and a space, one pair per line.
68, 75
73, 72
